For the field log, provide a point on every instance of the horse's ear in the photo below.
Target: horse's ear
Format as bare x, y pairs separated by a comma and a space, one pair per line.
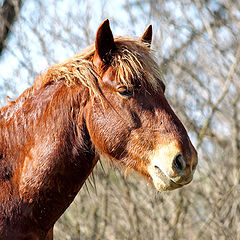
147, 36
104, 44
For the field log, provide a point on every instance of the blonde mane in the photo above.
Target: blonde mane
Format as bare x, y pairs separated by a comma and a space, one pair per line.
133, 60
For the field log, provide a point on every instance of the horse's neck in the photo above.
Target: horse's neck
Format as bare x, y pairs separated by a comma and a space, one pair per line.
53, 155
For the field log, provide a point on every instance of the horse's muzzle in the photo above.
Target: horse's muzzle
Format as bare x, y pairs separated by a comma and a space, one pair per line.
170, 169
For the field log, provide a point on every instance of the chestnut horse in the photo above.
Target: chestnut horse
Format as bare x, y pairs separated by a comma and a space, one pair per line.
106, 102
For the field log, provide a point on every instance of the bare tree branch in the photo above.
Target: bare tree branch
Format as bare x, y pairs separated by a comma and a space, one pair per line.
220, 99
8, 13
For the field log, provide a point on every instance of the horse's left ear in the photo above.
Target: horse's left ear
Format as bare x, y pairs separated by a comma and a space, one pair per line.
104, 44
147, 36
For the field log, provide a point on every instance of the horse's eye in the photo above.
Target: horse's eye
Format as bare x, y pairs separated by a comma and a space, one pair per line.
124, 91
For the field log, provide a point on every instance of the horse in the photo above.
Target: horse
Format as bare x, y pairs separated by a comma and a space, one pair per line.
106, 102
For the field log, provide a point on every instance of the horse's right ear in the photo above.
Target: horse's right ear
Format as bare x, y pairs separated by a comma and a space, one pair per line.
104, 44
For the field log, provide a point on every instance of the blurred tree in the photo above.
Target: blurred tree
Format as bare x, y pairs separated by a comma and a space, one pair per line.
8, 13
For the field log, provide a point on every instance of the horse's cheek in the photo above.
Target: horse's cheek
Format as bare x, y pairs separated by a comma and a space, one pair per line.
105, 131
96, 128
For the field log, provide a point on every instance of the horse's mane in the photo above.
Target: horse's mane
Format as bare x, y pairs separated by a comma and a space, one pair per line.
132, 60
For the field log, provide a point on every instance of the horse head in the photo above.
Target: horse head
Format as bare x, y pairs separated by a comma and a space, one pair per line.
132, 122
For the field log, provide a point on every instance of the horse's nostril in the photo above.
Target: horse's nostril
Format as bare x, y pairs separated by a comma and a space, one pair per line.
179, 163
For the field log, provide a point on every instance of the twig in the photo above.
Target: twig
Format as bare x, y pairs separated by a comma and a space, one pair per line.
220, 99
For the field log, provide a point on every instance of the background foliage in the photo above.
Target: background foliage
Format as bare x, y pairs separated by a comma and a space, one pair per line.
198, 46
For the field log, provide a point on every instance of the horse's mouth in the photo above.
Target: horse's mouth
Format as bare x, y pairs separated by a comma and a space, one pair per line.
163, 182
